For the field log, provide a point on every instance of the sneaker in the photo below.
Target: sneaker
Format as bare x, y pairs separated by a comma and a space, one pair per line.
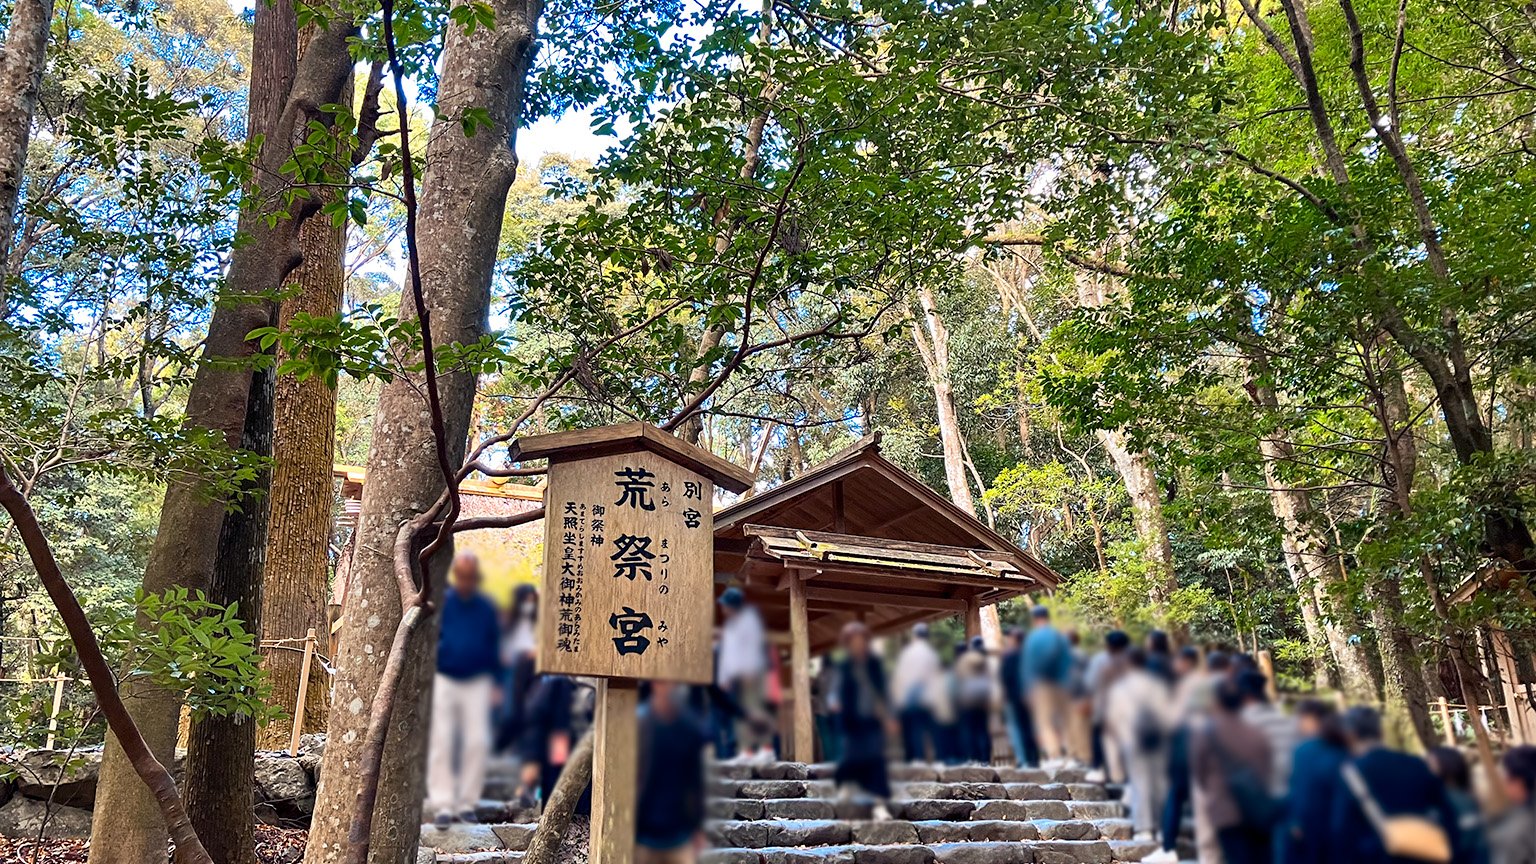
762, 757
468, 818
442, 821
1161, 856
1094, 776
1145, 836
880, 813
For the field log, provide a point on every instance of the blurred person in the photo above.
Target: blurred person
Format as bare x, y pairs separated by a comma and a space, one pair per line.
1104, 669
826, 722
1279, 728
862, 705
740, 671
1047, 670
973, 701
1021, 731
669, 805
1160, 655
1448, 764
548, 734
1512, 836
1376, 778
463, 695
519, 641
1138, 716
1197, 699
918, 672
1231, 764
943, 708
1187, 674
1315, 764
1080, 713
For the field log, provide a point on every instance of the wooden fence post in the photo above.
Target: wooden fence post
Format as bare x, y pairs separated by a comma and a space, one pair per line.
303, 697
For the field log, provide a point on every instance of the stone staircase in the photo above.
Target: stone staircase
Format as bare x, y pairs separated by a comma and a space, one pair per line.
790, 813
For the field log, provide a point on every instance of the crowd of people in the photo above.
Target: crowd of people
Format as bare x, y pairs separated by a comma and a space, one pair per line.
1195, 737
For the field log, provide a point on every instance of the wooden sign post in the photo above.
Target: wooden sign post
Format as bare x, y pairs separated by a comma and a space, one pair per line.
628, 586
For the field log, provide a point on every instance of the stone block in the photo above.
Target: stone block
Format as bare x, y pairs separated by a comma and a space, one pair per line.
976, 791
516, 837
25, 817
983, 853
749, 808
798, 808
1087, 792
283, 785
886, 833
1115, 829
921, 789
1046, 810
38, 772
1070, 774
1055, 791
1133, 850
909, 772
1073, 852
1002, 831
821, 771
460, 838
1096, 809
1002, 809
1023, 775
968, 774
893, 855
943, 832
721, 787
730, 856
853, 809
820, 789
808, 832
732, 771
818, 855
742, 835
783, 771
923, 810
771, 789
1070, 829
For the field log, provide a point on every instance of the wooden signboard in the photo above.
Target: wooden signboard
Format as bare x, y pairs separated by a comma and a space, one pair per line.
628, 587
628, 569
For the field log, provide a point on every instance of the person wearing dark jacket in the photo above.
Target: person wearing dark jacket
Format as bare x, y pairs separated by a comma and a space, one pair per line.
1303, 837
1451, 767
463, 695
549, 733
1401, 785
863, 710
1021, 730
1230, 758
669, 810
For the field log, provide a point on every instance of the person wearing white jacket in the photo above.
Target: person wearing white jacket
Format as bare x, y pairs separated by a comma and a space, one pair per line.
1139, 716
918, 673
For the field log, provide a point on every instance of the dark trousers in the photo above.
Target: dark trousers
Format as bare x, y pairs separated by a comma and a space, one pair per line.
916, 729
1021, 734
976, 735
1178, 787
1241, 844
948, 743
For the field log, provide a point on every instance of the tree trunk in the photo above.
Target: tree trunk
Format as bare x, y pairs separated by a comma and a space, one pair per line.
464, 193
284, 99
21, 76
221, 763
574, 779
1140, 478
934, 349
295, 588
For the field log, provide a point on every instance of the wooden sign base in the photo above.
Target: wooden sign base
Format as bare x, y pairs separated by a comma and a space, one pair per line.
615, 771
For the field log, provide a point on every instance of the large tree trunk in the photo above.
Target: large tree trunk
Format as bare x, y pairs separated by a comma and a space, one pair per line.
295, 589
932, 339
221, 764
464, 193
127, 828
21, 76
1139, 475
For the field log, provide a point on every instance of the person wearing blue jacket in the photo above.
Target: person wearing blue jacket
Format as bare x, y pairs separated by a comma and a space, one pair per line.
1047, 669
1303, 835
463, 695
1400, 785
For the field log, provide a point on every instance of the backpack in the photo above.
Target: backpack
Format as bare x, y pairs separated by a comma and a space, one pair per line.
1148, 732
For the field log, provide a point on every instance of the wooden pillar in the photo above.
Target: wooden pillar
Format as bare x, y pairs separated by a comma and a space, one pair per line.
803, 747
1266, 662
972, 618
615, 771
1445, 720
1522, 715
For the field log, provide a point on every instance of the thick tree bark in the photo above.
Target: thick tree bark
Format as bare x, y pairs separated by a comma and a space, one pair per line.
295, 588
574, 779
21, 76
221, 764
1139, 475
463, 196
127, 828
932, 339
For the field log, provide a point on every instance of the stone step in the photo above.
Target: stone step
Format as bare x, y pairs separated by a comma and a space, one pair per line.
909, 772
769, 833
1029, 852
943, 809
921, 789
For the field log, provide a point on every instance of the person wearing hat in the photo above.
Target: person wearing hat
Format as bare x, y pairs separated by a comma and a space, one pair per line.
740, 668
919, 672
